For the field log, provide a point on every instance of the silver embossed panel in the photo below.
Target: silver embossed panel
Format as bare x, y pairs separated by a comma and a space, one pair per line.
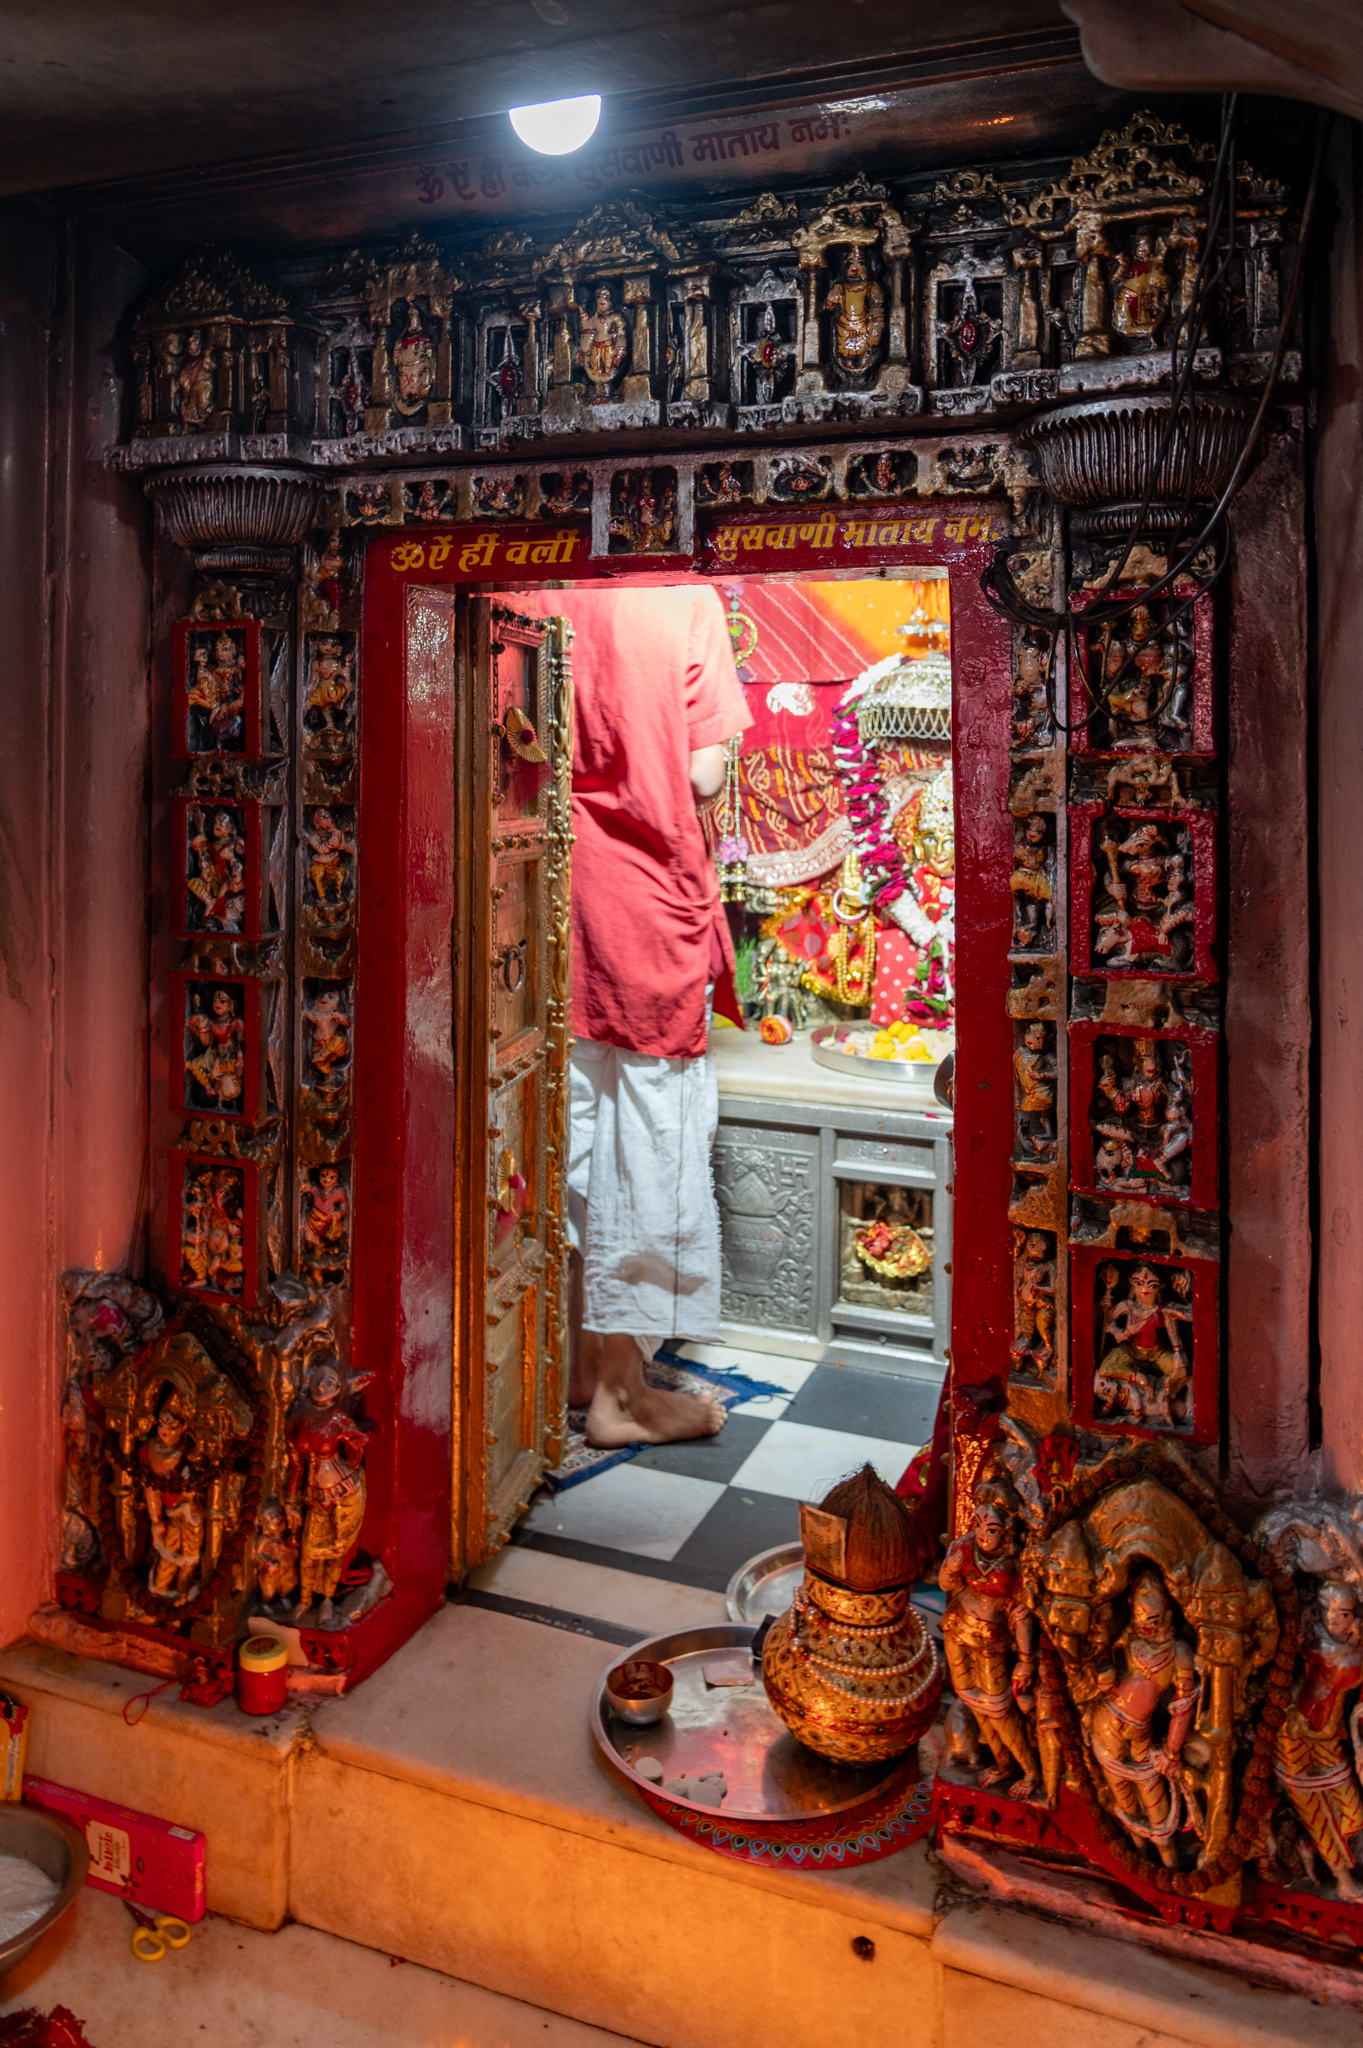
767, 1192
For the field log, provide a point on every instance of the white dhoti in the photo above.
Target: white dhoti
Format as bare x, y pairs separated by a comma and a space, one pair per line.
641, 1197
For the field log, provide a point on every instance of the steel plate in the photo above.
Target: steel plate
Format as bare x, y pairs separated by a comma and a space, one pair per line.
825, 1043
768, 1774
765, 1584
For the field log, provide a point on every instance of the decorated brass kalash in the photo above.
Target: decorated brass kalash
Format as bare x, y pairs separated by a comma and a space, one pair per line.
849, 1667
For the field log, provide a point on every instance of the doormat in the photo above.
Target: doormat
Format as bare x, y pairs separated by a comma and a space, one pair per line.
29, 2028
582, 1460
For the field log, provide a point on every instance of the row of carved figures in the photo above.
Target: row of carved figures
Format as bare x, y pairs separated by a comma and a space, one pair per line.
851, 302
1128, 1653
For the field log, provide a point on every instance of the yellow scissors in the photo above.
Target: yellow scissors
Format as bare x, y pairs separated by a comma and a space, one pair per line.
155, 1933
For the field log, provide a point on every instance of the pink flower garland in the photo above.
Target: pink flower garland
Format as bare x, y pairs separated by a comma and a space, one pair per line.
882, 863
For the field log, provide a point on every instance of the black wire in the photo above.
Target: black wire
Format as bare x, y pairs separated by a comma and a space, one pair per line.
997, 582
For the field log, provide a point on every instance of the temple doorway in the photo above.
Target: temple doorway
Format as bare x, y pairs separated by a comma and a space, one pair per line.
833, 837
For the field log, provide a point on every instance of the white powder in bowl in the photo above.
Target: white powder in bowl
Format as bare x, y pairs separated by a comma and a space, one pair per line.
25, 1895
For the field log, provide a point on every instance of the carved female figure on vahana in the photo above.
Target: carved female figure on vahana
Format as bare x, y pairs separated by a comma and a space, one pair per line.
1144, 1371
1141, 1117
326, 1485
215, 1055
216, 697
1145, 681
215, 879
990, 1638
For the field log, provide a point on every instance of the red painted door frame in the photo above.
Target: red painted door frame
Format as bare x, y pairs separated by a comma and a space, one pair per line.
409, 825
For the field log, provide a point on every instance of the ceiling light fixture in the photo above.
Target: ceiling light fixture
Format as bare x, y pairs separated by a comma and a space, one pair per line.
556, 127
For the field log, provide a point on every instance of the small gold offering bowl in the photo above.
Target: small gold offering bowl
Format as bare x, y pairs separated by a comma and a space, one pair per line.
638, 1691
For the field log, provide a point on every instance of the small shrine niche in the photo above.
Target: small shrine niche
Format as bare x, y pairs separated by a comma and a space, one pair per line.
218, 352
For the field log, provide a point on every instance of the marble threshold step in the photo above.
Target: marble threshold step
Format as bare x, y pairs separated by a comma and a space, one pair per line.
452, 1812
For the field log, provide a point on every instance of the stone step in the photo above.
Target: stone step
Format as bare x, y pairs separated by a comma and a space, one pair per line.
452, 1811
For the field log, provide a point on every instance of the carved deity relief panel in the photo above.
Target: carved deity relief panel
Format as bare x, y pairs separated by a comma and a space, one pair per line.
219, 703
220, 1070
215, 1227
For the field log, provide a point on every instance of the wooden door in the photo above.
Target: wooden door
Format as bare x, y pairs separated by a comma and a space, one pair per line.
513, 977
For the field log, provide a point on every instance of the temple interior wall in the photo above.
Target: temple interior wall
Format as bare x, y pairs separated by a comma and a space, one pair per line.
1339, 748
73, 763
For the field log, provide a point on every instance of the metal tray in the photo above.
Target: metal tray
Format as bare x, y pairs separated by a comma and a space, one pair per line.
765, 1584
769, 1775
825, 1042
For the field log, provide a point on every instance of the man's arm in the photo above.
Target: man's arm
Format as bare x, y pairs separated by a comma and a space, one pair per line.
707, 771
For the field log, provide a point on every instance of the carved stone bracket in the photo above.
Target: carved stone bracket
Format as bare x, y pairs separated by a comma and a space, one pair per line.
1102, 457
237, 518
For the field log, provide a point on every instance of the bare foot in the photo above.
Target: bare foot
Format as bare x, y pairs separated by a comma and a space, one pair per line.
649, 1415
997, 1774
585, 1375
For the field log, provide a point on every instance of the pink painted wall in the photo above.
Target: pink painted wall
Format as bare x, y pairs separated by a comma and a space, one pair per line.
73, 739
1339, 539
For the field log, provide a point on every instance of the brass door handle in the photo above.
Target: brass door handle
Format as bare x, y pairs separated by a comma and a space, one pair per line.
521, 737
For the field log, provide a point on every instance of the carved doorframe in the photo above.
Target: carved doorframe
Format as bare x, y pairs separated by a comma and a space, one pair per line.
398, 1226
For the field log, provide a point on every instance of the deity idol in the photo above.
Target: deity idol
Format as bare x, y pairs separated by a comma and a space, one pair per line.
216, 698
326, 1210
1140, 294
1314, 1768
1149, 1787
330, 685
326, 1487
173, 1504
414, 363
858, 304
329, 1046
986, 1627
1144, 1372
601, 345
194, 382
211, 1249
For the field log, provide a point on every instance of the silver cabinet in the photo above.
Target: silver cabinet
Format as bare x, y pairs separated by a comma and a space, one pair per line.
796, 1182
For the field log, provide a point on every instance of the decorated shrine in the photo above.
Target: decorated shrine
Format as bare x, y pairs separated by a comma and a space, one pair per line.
996, 468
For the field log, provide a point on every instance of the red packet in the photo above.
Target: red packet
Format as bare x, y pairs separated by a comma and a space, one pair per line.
134, 1855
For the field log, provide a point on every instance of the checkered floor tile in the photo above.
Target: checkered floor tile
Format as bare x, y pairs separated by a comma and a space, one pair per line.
691, 1514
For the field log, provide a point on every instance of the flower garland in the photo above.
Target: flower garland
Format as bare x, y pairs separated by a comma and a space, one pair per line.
887, 882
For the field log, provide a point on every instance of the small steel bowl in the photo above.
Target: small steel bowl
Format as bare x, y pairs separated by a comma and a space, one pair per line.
57, 1848
639, 1692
